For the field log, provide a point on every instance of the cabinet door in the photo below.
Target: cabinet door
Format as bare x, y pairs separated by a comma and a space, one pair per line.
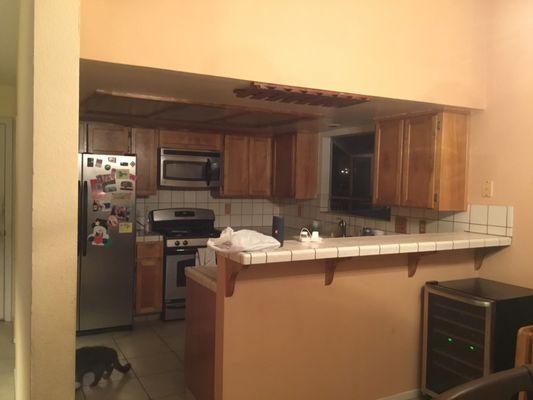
149, 278
284, 163
82, 137
388, 162
306, 166
108, 139
190, 140
145, 147
419, 162
235, 168
260, 171
149, 288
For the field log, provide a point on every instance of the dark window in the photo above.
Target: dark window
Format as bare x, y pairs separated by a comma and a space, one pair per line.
352, 158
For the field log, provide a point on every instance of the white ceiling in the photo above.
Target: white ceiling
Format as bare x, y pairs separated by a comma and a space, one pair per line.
8, 41
210, 89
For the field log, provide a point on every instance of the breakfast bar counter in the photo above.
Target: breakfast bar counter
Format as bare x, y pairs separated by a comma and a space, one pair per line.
293, 250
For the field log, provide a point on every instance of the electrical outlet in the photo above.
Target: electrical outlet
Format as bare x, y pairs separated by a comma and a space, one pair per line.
422, 226
488, 189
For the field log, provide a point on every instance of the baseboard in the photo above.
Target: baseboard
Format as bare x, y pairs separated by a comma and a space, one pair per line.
411, 394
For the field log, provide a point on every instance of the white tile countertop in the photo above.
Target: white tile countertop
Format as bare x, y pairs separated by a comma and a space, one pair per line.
293, 250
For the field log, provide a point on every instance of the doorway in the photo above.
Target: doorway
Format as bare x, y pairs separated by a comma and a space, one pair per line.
6, 145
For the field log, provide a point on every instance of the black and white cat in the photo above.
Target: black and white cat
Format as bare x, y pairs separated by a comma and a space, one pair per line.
99, 360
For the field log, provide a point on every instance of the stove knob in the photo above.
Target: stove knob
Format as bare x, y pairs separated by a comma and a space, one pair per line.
177, 242
185, 243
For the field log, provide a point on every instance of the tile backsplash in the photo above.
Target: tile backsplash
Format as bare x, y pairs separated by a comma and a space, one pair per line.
228, 212
495, 220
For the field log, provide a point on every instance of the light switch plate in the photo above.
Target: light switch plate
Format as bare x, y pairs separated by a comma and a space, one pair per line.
488, 189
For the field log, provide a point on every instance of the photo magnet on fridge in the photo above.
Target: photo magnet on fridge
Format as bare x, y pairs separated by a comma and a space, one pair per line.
97, 190
99, 235
125, 227
98, 163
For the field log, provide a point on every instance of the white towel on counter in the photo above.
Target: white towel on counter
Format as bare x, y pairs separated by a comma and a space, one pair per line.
244, 240
206, 257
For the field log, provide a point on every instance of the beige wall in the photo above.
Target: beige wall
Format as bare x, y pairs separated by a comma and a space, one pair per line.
287, 336
502, 139
46, 199
8, 100
407, 49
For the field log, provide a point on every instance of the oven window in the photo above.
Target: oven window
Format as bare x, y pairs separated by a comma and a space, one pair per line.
184, 170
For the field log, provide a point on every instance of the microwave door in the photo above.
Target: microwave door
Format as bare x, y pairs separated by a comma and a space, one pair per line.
208, 172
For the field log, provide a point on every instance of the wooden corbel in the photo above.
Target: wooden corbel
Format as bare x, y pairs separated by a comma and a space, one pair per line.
480, 254
412, 263
330, 267
232, 270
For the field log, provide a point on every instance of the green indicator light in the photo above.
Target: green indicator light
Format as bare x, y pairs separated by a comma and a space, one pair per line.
450, 340
472, 348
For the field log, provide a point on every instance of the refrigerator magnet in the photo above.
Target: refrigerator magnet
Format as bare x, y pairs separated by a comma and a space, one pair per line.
112, 221
98, 163
99, 235
112, 159
97, 190
122, 173
133, 177
125, 227
126, 185
107, 167
132, 163
90, 162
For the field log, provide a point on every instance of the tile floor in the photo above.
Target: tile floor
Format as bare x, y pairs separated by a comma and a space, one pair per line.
7, 361
155, 350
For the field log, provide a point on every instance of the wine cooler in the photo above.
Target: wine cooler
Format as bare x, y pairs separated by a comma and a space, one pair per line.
470, 329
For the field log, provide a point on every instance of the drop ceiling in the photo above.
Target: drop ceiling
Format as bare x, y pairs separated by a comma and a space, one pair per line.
155, 97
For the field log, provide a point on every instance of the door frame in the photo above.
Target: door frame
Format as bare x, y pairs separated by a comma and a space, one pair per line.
8, 193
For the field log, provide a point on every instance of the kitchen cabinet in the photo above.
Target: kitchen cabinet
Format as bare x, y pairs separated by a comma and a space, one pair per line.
145, 147
82, 137
247, 168
296, 165
190, 140
421, 161
235, 168
260, 166
149, 278
388, 162
108, 139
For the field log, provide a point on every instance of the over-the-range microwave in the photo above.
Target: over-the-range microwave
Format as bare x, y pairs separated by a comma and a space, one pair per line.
188, 169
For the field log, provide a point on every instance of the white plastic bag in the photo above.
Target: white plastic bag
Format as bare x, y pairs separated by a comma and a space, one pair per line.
243, 240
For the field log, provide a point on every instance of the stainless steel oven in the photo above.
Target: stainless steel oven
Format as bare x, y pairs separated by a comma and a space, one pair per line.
188, 169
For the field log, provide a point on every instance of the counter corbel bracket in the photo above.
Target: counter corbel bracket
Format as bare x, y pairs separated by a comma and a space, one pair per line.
480, 254
412, 263
232, 270
330, 267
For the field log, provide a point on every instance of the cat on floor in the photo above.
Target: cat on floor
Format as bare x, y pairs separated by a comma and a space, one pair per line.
99, 360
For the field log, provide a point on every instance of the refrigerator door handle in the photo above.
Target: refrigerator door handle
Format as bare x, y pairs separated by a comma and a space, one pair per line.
83, 236
80, 213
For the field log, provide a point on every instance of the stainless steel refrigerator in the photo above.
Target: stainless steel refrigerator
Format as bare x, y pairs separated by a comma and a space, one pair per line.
106, 241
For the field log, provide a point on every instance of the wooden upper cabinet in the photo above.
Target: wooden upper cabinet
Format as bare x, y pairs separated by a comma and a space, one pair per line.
190, 140
260, 166
235, 167
419, 161
388, 162
145, 147
108, 139
451, 162
423, 164
284, 165
296, 165
82, 137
